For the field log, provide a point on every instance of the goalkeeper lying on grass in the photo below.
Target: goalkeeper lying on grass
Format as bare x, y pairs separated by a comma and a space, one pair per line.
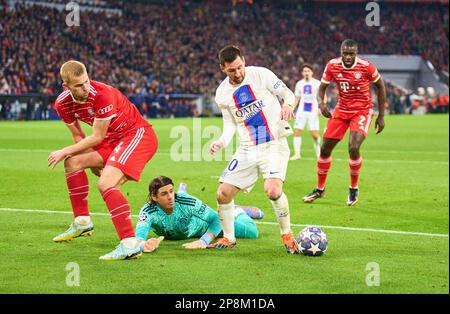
179, 216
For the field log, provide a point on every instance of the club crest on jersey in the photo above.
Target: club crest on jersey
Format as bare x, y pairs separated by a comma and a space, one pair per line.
243, 97
76, 115
91, 111
183, 220
358, 75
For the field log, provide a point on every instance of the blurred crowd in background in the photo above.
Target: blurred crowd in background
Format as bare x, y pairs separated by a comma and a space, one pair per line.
150, 52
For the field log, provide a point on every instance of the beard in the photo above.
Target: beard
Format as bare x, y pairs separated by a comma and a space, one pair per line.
238, 81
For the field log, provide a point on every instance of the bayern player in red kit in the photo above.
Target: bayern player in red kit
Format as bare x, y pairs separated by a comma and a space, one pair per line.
118, 149
354, 110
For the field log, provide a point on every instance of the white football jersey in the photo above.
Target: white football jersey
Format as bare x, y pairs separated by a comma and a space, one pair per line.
307, 91
253, 106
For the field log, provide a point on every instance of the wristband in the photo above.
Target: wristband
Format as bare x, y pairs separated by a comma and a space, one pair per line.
206, 238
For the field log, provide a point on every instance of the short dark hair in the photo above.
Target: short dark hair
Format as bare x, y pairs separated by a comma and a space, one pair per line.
156, 184
306, 65
228, 54
350, 43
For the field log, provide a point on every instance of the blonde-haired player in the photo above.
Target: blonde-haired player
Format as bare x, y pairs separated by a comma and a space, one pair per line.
249, 104
120, 145
307, 110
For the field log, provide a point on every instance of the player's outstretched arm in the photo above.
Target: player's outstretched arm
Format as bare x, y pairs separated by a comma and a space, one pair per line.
381, 94
152, 244
321, 97
229, 129
199, 244
287, 111
278, 88
100, 128
297, 94
214, 227
76, 131
143, 225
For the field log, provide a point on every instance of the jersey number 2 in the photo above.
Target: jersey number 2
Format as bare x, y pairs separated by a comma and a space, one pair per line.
363, 124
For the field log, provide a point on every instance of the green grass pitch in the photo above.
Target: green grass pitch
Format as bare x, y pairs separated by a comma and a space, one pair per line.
403, 187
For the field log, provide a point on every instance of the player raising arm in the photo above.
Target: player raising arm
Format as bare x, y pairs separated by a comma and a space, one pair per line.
121, 144
354, 110
180, 216
249, 104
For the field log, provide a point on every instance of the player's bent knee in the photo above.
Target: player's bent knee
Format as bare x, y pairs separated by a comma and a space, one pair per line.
104, 185
325, 153
353, 150
73, 164
223, 197
273, 192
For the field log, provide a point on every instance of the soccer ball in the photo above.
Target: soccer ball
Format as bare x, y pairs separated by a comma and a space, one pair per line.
312, 241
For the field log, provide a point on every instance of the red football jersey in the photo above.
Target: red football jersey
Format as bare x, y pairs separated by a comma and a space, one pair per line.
104, 103
353, 83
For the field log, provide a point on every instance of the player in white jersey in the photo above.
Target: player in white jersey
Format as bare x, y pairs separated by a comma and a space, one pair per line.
307, 110
249, 104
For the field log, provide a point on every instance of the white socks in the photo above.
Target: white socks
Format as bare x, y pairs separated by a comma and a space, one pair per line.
281, 207
130, 242
226, 214
297, 144
317, 146
83, 220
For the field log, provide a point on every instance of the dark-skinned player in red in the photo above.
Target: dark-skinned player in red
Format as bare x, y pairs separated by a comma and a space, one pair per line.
353, 111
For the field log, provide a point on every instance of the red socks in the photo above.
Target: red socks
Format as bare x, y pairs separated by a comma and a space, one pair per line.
78, 186
355, 167
120, 212
323, 165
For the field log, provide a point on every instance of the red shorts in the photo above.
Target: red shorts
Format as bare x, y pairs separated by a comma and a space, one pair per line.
131, 153
358, 121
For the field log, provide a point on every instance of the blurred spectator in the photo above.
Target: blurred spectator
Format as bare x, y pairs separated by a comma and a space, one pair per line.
443, 103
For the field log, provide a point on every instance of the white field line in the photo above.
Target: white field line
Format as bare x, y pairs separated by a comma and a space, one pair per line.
425, 234
400, 161
165, 151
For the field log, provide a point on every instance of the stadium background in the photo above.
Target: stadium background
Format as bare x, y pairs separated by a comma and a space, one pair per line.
162, 55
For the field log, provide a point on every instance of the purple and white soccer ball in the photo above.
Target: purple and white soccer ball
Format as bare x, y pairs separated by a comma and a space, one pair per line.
312, 241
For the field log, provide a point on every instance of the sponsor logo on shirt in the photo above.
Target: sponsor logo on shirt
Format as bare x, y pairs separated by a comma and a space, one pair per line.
105, 110
202, 209
278, 84
250, 110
